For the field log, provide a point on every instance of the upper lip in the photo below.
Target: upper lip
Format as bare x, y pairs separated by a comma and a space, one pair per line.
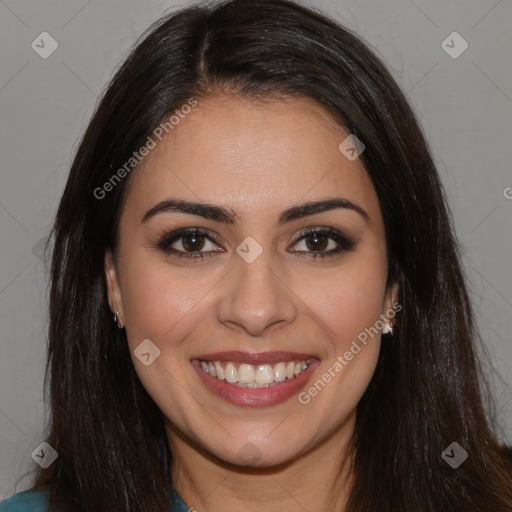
255, 358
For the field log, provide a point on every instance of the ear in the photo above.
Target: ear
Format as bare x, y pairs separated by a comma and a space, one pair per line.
115, 299
391, 300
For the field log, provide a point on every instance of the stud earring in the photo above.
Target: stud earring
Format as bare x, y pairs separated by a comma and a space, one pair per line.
388, 328
116, 320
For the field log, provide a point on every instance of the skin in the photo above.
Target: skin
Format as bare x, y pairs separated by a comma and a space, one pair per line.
255, 159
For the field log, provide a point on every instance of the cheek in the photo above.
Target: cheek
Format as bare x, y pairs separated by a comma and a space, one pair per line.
348, 305
157, 300
160, 305
349, 314
350, 299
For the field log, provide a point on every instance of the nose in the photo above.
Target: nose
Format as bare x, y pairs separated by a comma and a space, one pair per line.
255, 298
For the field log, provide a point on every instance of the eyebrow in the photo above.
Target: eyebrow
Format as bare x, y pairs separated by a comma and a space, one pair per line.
228, 216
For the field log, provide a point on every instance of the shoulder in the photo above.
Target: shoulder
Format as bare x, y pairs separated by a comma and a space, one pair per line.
27, 501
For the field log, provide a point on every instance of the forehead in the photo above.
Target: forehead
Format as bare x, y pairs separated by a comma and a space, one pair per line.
247, 154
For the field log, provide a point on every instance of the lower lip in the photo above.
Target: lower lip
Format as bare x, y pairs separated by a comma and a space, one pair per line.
255, 397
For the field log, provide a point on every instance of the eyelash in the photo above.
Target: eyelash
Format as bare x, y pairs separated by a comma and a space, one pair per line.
344, 243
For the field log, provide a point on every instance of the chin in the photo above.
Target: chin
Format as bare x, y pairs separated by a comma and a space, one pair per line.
255, 455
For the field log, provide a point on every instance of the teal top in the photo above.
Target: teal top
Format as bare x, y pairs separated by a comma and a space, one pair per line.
36, 501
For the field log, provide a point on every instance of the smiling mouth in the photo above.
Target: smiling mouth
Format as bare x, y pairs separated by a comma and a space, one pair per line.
254, 376
248, 379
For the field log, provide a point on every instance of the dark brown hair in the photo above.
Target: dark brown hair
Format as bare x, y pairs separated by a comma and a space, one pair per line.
426, 391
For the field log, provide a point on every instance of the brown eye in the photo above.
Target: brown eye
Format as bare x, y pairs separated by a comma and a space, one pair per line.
323, 242
189, 242
317, 242
193, 242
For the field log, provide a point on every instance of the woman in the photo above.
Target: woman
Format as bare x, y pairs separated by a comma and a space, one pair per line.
255, 205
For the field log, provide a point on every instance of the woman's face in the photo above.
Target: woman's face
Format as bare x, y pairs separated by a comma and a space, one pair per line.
250, 294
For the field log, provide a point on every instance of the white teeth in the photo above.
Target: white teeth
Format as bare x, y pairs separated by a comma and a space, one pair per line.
280, 372
231, 373
220, 371
250, 376
246, 373
264, 374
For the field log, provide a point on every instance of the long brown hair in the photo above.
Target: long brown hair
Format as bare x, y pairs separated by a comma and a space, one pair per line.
426, 391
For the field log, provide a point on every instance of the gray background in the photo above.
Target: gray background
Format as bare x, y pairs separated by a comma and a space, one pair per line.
464, 104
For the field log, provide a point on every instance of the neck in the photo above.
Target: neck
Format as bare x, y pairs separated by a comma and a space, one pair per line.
316, 480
